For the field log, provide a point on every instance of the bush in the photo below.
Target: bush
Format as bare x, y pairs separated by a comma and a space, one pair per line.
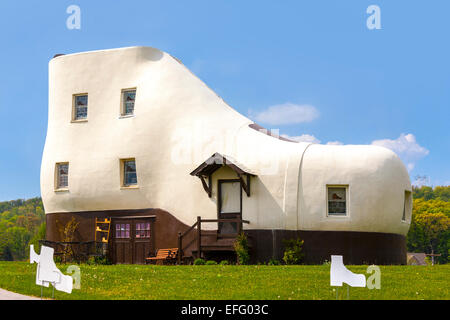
293, 253
273, 262
211, 263
224, 263
199, 262
241, 248
98, 260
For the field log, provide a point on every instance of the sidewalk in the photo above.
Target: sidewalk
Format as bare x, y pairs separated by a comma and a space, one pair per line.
8, 295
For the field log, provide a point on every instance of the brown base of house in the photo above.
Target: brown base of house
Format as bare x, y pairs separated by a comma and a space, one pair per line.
355, 247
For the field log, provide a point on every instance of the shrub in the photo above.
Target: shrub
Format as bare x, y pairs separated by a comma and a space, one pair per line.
241, 248
293, 251
98, 260
224, 263
199, 262
211, 262
273, 262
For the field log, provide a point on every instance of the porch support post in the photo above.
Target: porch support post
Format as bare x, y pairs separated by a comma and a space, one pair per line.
180, 248
199, 237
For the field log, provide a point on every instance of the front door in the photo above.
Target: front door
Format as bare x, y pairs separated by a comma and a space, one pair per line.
229, 205
132, 240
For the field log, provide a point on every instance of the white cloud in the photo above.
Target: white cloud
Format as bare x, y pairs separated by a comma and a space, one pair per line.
405, 147
303, 138
287, 113
334, 143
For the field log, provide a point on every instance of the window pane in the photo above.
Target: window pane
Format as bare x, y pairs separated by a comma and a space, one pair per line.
130, 177
337, 204
230, 197
63, 175
128, 101
81, 105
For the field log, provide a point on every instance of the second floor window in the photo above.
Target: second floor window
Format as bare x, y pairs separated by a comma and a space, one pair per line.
129, 170
62, 176
128, 99
80, 107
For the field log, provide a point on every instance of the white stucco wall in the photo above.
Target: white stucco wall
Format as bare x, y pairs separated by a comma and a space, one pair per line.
178, 123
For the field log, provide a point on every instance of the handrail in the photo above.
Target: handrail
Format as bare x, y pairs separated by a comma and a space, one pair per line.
189, 230
225, 220
198, 224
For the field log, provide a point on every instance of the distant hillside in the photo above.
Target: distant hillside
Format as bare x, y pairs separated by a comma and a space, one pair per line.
21, 222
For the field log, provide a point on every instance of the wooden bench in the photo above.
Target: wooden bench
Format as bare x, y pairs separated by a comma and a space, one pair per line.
163, 255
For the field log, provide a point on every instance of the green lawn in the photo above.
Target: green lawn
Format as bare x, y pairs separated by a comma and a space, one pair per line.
230, 282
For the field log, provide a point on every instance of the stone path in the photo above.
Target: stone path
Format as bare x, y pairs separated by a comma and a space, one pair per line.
8, 295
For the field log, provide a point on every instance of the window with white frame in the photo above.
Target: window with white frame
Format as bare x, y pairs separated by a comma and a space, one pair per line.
337, 200
80, 107
128, 99
62, 175
129, 172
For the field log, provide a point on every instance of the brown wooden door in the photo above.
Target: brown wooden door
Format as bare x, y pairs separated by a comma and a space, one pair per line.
123, 244
142, 244
132, 240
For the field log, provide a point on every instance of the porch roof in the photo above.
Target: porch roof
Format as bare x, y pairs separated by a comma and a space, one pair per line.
215, 162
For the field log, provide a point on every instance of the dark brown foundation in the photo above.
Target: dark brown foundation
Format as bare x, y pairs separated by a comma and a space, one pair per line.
355, 247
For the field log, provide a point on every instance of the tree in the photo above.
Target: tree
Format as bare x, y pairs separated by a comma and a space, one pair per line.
20, 221
434, 229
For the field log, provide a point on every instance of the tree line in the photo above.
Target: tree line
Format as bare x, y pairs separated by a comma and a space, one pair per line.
22, 222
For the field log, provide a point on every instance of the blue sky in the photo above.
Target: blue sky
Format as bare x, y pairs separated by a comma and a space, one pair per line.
311, 69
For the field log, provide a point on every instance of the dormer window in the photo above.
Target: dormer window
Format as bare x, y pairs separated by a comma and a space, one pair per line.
128, 99
80, 107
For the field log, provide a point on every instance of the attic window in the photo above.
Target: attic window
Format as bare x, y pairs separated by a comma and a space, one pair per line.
128, 99
337, 200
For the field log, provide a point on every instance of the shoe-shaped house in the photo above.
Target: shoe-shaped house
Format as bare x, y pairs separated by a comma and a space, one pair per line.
135, 138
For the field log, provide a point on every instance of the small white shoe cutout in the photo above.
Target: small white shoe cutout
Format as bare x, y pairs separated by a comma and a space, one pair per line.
339, 274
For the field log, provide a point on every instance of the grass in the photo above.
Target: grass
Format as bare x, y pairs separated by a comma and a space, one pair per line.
230, 282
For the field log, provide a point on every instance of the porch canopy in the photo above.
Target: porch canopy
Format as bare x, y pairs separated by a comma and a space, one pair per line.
217, 161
